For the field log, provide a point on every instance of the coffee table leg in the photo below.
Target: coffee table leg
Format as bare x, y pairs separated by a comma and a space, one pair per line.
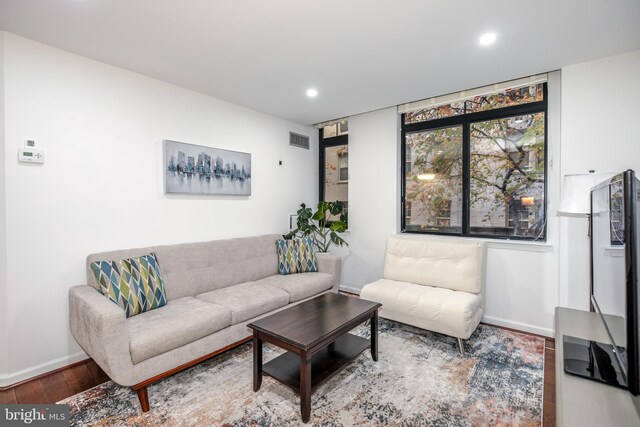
257, 361
374, 336
305, 387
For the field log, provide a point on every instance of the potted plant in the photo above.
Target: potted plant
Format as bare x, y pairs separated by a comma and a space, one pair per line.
323, 230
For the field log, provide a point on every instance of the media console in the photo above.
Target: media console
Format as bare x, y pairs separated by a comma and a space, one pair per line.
581, 402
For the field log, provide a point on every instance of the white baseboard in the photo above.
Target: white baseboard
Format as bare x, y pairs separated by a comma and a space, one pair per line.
524, 327
16, 377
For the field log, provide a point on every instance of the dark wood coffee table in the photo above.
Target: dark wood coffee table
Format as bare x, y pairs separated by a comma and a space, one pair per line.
315, 335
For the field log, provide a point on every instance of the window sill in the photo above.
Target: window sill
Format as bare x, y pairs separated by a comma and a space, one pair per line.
519, 245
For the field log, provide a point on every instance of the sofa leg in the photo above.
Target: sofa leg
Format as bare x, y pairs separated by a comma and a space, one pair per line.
461, 346
144, 398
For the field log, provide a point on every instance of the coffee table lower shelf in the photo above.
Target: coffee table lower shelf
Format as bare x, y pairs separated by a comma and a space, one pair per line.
324, 364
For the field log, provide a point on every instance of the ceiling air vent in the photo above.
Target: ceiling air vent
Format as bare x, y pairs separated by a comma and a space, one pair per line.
298, 140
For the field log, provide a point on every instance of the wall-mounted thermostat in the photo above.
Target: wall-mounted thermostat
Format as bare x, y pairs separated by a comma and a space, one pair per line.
30, 154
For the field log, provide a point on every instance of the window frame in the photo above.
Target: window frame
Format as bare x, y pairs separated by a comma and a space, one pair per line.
466, 120
340, 169
333, 141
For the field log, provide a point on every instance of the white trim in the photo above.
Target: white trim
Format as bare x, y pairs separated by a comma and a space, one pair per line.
524, 327
518, 245
522, 245
25, 374
467, 94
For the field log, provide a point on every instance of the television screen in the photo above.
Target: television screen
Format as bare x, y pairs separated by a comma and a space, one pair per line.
608, 259
614, 270
615, 294
633, 291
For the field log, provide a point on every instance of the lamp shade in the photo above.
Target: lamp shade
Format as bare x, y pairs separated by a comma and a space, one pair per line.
576, 192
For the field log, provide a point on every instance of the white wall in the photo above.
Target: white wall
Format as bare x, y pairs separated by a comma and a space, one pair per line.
600, 116
3, 226
102, 184
374, 161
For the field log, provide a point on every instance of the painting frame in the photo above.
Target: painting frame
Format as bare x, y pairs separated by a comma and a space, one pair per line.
203, 170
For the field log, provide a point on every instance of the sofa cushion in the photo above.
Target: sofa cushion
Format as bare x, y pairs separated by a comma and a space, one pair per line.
287, 256
247, 300
456, 265
307, 262
442, 310
180, 322
135, 284
300, 286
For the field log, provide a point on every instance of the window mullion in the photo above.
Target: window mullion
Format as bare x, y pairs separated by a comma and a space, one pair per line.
403, 184
466, 177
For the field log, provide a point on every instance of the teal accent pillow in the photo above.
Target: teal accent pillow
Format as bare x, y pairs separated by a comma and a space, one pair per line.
307, 261
135, 284
287, 256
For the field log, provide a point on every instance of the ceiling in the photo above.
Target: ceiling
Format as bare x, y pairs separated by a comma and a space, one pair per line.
361, 55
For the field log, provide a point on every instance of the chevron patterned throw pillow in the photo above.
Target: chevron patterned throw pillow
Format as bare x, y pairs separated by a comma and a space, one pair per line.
135, 284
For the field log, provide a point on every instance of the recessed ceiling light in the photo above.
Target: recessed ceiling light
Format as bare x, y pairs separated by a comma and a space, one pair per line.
487, 39
312, 93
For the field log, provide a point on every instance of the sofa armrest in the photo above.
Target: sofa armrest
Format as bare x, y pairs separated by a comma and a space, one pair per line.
330, 264
99, 326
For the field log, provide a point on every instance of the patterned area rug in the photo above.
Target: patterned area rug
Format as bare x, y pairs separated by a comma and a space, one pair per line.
419, 380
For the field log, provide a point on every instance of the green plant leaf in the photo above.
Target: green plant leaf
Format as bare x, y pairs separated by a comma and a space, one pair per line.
338, 226
314, 224
304, 214
337, 239
335, 208
323, 206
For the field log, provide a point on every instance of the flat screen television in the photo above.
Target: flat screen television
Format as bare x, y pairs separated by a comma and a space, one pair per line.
615, 295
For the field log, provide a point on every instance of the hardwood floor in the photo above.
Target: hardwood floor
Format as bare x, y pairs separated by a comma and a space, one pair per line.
549, 402
56, 386
85, 375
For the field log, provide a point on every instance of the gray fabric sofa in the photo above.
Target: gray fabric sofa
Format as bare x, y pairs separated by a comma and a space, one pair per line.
213, 290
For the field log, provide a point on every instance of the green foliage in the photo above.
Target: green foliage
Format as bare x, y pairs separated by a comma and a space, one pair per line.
438, 152
506, 163
319, 225
499, 151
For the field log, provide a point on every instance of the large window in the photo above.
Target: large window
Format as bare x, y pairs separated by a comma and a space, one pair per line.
476, 167
334, 163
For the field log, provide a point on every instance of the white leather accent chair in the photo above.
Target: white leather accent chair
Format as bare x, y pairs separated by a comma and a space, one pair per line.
432, 283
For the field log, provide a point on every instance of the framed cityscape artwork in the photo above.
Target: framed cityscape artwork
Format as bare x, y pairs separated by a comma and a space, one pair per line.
196, 169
